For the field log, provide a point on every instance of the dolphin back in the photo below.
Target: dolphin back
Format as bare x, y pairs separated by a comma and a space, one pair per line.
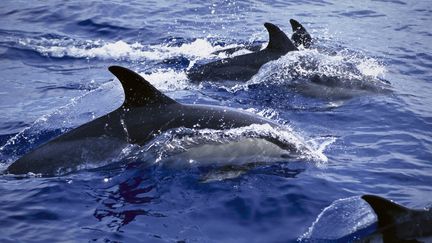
100, 139
397, 223
386, 210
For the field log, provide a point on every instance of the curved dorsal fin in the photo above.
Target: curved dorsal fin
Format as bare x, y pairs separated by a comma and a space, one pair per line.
278, 41
138, 91
300, 36
387, 211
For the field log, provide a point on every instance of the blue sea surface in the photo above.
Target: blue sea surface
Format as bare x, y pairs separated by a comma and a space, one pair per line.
55, 54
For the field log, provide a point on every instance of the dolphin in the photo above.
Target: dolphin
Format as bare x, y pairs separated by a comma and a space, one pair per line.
299, 37
336, 88
243, 67
145, 113
397, 223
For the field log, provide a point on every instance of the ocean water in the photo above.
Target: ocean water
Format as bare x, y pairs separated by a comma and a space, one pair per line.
54, 77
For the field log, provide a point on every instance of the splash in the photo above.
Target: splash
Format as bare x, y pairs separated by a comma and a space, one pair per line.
266, 113
342, 218
79, 110
200, 48
371, 68
344, 69
59, 48
120, 50
168, 79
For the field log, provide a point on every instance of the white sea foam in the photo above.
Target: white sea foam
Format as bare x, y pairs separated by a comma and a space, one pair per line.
268, 113
199, 48
371, 68
168, 79
350, 70
121, 50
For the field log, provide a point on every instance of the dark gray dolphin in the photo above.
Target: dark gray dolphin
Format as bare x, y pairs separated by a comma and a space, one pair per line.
336, 88
397, 223
300, 36
145, 113
242, 68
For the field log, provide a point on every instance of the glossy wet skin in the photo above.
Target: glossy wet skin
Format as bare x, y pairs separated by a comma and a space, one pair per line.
239, 68
397, 223
145, 113
300, 37
243, 67
104, 137
142, 126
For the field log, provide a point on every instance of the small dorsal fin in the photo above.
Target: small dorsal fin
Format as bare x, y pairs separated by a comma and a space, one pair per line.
387, 211
138, 91
300, 36
278, 41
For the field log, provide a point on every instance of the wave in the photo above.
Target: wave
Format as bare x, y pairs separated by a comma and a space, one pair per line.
314, 72
120, 50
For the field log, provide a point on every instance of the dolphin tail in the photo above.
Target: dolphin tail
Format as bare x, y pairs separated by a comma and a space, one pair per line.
138, 91
300, 36
278, 41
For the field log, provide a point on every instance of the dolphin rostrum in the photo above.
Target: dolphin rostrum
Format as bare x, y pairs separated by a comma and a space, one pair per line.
145, 113
242, 68
397, 223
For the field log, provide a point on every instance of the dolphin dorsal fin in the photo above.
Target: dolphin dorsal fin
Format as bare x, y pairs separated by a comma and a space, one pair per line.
387, 211
138, 91
300, 36
278, 41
